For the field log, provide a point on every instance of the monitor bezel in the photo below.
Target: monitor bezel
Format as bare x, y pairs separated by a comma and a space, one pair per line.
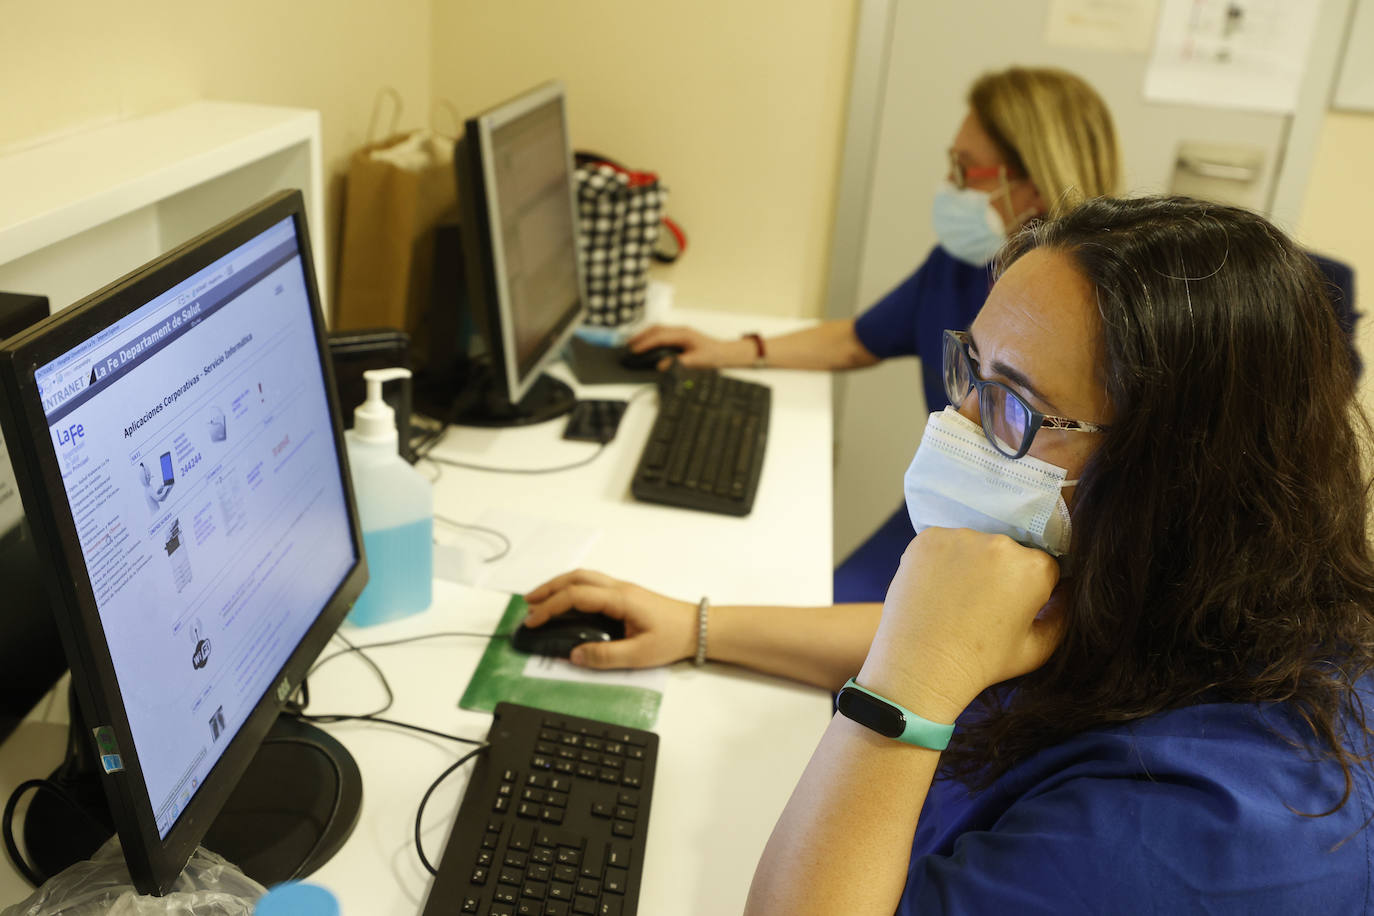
477, 138
154, 862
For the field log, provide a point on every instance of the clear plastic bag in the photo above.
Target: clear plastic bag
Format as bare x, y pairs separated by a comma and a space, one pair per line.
209, 885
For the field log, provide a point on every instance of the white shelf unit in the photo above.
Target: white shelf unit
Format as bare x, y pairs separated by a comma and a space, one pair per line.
83, 209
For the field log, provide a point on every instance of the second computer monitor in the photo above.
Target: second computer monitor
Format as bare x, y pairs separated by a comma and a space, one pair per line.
519, 233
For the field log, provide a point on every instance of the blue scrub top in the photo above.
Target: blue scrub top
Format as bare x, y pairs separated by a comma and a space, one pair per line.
944, 293
1187, 811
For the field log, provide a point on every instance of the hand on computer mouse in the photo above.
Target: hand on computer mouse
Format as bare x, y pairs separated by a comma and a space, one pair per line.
659, 358
698, 350
658, 630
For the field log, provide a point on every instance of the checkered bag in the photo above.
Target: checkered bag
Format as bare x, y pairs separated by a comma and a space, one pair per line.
619, 227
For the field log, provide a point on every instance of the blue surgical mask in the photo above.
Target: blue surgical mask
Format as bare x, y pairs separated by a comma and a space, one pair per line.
958, 480
967, 224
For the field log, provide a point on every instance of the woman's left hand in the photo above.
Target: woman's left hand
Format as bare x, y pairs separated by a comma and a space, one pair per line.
963, 613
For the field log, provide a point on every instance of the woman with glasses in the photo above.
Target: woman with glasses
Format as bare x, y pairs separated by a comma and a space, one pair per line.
1035, 142
1124, 666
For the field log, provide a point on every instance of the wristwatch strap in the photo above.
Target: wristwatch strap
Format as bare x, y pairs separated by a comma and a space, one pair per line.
917, 730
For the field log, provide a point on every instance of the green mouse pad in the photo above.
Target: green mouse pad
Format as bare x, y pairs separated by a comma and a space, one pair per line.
499, 676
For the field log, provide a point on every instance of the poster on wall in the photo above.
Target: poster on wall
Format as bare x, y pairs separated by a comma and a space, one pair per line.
1243, 54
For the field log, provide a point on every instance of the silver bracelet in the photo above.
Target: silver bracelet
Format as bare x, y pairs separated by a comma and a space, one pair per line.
703, 608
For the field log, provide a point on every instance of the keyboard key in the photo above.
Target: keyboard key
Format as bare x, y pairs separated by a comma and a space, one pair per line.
618, 854
601, 809
529, 907
585, 906
628, 798
559, 890
479, 876
616, 880
520, 837
504, 893
470, 905
536, 890
610, 906
516, 859
594, 860
556, 908
511, 876
589, 886
623, 828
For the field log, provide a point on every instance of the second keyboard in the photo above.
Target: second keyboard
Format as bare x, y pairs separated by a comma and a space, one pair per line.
706, 448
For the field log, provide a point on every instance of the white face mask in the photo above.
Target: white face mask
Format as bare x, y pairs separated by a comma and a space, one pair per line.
958, 480
967, 224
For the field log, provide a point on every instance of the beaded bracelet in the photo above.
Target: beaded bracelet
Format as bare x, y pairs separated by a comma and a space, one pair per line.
703, 607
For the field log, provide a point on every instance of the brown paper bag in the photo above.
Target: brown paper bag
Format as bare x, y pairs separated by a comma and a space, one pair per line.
397, 191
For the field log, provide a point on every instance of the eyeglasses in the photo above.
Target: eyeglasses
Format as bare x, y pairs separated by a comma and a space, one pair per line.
961, 174
1008, 421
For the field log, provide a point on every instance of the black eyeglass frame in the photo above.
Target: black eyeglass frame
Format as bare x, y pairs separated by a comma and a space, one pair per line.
958, 342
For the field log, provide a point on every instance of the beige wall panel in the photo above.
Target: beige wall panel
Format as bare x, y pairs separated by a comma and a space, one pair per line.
1338, 217
738, 106
69, 64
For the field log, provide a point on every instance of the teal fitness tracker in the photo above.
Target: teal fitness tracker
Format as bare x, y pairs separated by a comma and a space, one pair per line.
889, 719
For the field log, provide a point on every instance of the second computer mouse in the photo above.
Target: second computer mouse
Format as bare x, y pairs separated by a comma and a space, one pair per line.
648, 359
558, 636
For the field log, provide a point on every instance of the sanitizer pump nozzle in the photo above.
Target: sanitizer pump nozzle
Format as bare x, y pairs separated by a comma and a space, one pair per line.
374, 420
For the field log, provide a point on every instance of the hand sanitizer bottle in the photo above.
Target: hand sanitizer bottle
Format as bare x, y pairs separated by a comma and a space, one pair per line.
396, 508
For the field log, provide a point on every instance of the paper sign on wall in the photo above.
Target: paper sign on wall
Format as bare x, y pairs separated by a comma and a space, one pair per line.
1101, 25
1246, 54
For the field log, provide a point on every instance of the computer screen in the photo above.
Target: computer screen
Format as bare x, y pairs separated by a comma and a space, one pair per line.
519, 237
184, 471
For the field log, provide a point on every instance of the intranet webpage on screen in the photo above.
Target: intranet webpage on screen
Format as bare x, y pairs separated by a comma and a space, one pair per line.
203, 480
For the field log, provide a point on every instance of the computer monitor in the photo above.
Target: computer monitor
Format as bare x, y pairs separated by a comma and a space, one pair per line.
524, 293
30, 650
177, 444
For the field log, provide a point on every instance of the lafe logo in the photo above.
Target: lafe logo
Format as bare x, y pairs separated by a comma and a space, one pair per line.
69, 435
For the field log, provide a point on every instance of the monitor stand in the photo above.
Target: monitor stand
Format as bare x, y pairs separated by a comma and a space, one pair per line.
282, 812
474, 396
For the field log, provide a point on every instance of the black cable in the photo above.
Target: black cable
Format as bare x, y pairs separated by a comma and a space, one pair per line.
398, 642
327, 718
331, 718
420, 813
30, 874
491, 559
333, 808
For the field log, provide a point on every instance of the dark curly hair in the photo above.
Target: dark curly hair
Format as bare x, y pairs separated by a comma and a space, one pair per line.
1220, 551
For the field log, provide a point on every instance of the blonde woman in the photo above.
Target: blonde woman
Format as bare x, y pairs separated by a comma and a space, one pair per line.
1035, 142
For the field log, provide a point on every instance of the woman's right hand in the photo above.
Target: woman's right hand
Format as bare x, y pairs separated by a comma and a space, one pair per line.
699, 351
658, 630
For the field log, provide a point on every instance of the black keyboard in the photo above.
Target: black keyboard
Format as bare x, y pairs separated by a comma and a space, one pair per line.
553, 820
706, 448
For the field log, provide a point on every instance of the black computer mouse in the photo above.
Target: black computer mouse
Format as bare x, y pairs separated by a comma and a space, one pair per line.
559, 635
648, 359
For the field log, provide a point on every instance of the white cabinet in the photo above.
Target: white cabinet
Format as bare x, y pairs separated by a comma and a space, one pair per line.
80, 210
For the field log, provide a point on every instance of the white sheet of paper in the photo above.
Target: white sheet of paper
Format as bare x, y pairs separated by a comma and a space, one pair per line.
1244, 54
539, 550
558, 669
1101, 25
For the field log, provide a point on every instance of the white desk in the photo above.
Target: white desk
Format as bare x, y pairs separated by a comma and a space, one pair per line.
733, 744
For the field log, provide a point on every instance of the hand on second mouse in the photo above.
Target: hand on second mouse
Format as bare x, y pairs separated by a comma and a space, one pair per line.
699, 351
658, 630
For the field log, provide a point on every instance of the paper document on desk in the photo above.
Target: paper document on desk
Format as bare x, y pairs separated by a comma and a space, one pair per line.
629, 698
539, 550
559, 669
